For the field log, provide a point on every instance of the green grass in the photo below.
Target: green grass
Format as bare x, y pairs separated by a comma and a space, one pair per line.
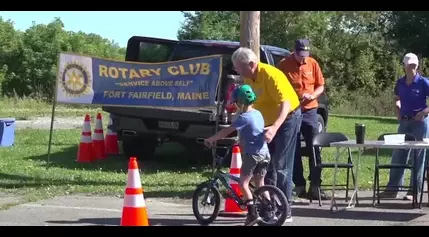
24, 171
27, 108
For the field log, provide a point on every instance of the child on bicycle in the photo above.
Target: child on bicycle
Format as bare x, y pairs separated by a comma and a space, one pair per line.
255, 153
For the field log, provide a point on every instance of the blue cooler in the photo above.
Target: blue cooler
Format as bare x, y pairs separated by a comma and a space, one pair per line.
7, 132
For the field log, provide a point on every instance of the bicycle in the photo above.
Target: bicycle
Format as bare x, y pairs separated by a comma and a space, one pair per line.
268, 208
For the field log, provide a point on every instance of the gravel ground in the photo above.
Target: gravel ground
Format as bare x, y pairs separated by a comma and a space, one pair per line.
45, 123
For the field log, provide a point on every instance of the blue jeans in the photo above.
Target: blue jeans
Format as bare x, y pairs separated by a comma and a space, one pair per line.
282, 151
420, 131
309, 129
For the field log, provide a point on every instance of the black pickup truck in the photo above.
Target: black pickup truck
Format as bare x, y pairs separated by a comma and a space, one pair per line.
142, 129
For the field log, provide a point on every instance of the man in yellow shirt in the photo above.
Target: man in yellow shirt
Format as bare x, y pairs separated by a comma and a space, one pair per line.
279, 104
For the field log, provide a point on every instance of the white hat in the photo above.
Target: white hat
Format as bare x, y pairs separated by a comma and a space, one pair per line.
410, 58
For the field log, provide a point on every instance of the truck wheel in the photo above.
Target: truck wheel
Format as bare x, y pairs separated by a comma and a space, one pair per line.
320, 123
142, 148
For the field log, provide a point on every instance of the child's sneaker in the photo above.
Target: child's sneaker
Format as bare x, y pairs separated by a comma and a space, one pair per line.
275, 218
252, 220
270, 216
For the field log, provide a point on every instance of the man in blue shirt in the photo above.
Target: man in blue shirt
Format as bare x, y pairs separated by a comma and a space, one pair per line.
411, 92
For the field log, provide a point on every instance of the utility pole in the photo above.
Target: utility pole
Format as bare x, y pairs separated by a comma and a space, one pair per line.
249, 30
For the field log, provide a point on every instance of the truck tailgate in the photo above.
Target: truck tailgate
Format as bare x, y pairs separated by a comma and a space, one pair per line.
189, 114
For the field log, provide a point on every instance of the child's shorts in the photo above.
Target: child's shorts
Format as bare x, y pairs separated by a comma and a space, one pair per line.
255, 164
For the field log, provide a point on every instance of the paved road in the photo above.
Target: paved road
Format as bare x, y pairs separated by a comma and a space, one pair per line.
89, 210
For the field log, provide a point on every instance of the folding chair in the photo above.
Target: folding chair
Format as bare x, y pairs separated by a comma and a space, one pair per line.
378, 167
322, 140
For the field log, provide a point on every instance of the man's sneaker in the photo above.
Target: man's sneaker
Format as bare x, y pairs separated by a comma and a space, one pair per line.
409, 195
252, 220
300, 191
388, 194
315, 194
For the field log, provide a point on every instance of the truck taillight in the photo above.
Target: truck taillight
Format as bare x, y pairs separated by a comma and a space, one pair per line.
230, 107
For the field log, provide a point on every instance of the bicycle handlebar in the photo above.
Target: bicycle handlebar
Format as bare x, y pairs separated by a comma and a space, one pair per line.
201, 141
218, 159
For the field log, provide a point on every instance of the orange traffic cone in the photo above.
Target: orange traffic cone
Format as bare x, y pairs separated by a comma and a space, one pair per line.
134, 212
98, 140
231, 207
111, 141
85, 151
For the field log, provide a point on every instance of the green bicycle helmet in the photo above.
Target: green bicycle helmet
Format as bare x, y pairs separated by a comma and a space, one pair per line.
244, 95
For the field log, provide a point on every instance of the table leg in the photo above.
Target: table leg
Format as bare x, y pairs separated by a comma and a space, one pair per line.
414, 178
353, 199
333, 202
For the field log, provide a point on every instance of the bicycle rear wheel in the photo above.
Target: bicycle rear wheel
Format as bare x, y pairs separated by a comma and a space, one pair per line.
277, 206
211, 197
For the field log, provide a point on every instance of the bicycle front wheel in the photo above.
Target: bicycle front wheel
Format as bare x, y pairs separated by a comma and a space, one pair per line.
208, 196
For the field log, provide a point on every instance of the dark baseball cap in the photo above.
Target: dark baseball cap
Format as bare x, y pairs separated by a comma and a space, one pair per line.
302, 47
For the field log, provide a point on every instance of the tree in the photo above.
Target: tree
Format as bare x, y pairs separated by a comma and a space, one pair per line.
28, 61
221, 25
353, 49
410, 30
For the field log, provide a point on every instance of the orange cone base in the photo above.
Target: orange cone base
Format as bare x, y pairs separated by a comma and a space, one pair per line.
99, 151
112, 145
232, 214
232, 209
134, 216
85, 153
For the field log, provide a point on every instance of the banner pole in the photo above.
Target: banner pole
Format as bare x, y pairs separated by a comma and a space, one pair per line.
54, 104
51, 131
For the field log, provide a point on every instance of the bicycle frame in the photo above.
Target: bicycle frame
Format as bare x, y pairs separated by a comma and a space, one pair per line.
223, 178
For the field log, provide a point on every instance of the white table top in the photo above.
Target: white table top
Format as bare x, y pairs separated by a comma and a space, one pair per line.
382, 144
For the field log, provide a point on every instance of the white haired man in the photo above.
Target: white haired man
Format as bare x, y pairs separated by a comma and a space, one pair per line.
280, 107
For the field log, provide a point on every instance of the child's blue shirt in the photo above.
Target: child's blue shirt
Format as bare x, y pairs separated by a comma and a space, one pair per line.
251, 127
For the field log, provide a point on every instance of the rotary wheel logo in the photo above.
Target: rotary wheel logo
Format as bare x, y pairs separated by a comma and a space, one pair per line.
75, 80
